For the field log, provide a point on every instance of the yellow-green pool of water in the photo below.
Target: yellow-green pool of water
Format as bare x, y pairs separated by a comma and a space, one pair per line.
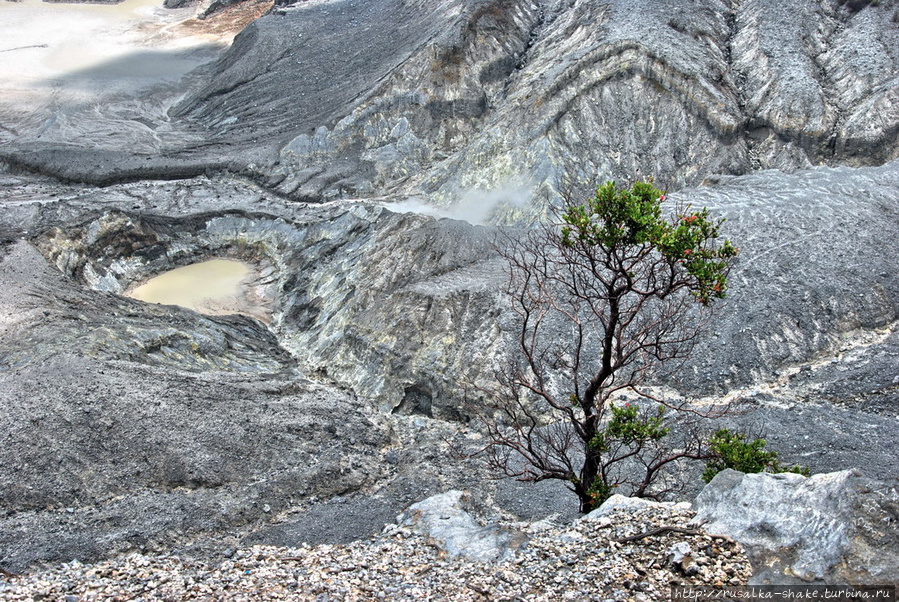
209, 286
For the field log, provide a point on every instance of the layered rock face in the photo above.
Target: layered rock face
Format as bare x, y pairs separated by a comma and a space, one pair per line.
617, 89
533, 90
409, 311
349, 98
400, 307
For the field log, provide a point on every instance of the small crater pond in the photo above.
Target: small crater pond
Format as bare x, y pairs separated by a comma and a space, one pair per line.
212, 287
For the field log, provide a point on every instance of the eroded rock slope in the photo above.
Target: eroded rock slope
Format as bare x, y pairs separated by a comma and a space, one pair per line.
435, 98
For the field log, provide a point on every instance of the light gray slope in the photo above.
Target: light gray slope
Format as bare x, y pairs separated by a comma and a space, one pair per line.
388, 304
435, 98
298, 69
107, 446
815, 271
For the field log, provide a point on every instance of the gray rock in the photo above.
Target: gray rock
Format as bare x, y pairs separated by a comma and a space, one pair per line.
677, 552
445, 519
609, 89
442, 99
618, 503
833, 528
110, 448
160, 427
331, 275
407, 310
217, 7
178, 3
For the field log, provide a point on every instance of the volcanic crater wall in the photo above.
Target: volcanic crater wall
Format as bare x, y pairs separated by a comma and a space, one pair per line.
127, 424
394, 306
561, 93
408, 310
434, 98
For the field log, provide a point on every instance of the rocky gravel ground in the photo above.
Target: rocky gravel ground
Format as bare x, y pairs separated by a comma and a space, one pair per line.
577, 561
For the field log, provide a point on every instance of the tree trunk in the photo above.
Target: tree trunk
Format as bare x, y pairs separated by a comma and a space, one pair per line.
588, 474
589, 405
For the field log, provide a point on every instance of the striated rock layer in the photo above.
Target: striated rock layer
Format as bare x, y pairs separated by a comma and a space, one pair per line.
435, 98
408, 310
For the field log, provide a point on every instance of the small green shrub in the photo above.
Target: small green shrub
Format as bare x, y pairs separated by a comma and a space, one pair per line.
627, 427
600, 491
626, 434
733, 450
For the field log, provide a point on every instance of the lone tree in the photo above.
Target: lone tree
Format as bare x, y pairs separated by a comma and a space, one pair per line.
605, 295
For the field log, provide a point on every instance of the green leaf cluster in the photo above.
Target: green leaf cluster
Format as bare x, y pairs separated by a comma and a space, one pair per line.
734, 450
615, 217
627, 219
627, 427
600, 491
